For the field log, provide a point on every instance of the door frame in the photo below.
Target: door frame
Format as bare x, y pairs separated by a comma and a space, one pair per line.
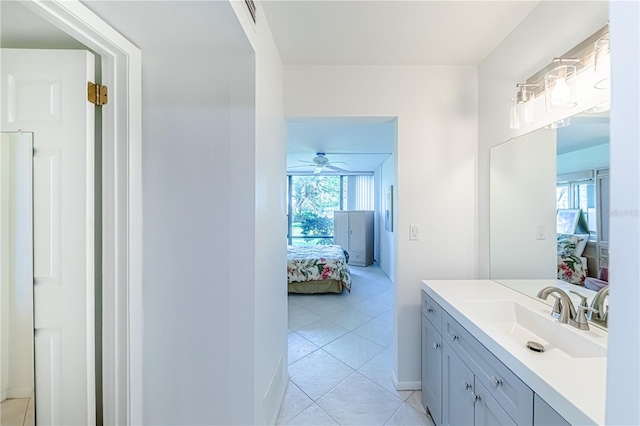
121, 203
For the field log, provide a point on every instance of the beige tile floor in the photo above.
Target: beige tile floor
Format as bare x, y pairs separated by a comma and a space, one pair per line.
340, 358
17, 412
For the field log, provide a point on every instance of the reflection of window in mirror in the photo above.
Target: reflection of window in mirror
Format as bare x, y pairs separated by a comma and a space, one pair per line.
579, 195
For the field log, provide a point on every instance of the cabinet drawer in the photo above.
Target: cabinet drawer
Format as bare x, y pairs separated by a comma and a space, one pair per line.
356, 257
432, 311
508, 390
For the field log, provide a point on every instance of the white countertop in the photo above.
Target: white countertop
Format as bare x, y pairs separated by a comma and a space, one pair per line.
574, 387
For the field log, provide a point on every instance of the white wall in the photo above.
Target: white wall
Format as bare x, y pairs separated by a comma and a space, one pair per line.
623, 367
550, 30
387, 240
214, 299
435, 167
270, 180
595, 157
197, 335
523, 182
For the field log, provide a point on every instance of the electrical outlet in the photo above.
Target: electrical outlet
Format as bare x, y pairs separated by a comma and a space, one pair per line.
413, 233
541, 232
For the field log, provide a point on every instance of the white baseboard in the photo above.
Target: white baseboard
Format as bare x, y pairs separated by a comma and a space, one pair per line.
405, 386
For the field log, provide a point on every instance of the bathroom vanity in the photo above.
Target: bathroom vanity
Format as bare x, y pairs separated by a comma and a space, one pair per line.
477, 369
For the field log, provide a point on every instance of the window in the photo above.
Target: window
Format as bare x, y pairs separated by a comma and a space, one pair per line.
313, 199
577, 191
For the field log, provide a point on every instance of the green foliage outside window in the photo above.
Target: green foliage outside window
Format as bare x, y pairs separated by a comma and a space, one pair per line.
314, 198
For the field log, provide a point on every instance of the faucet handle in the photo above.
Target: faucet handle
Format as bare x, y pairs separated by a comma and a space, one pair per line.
581, 318
557, 306
583, 299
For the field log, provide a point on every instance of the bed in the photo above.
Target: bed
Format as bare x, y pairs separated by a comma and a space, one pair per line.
317, 269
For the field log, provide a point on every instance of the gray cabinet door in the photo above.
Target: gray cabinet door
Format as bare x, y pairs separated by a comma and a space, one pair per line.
432, 370
544, 415
487, 411
457, 390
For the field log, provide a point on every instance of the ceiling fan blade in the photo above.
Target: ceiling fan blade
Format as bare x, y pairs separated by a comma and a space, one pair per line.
302, 165
339, 162
306, 161
317, 170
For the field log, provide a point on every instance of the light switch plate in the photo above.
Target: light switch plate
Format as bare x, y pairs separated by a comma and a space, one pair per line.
541, 232
413, 233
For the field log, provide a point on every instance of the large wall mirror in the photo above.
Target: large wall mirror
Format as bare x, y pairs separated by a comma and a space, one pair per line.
16, 274
549, 201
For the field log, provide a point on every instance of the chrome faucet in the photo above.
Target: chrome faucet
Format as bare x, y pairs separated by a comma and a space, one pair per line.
563, 309
597, 304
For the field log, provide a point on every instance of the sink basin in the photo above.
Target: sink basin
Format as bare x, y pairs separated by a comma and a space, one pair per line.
521, 324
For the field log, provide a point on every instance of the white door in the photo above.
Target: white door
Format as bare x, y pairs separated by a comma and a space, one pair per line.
341, 229
45, 91
356, 232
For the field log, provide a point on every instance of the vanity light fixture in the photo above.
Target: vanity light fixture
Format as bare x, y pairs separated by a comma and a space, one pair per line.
557, 84
557, 80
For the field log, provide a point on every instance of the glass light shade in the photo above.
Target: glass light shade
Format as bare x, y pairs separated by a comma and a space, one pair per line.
514, 117
557, 88
528, 113
602, 63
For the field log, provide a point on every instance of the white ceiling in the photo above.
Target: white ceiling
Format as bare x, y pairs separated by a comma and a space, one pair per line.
584, 131
392, 32
362, 143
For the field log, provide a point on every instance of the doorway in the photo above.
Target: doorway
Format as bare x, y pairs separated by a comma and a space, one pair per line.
121, 201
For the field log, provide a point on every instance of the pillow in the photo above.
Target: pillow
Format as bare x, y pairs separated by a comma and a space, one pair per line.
566, 244
582, 244
571, 270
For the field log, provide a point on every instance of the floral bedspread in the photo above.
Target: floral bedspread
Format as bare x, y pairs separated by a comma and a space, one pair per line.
571, 269
312, 263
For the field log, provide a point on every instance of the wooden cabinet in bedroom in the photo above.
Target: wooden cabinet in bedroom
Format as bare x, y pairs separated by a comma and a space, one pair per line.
353, 230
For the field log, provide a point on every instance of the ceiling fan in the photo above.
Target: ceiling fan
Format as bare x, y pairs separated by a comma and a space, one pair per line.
322, 162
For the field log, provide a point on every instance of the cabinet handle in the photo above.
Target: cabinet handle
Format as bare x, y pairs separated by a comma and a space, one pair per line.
430, 310
453, 336
475, 397
496, 381
436, 345
467, 386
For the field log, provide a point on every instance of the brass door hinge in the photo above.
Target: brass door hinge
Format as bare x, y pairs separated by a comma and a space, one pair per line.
97, 94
